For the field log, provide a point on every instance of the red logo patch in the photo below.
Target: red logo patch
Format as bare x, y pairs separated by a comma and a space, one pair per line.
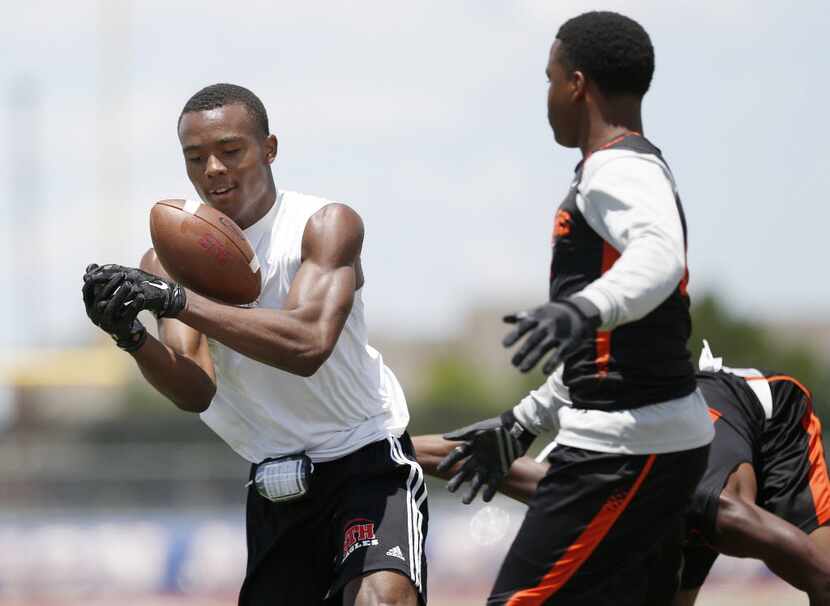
359, 533
214, 248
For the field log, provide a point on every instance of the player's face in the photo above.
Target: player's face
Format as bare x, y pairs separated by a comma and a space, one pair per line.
228, 159
563, 114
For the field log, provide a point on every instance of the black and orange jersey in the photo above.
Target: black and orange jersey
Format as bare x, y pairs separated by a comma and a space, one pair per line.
733, 401
793, 473
773, 414
765, 419
641, 360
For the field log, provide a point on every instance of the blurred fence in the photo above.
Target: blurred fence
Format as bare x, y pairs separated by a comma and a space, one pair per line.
195, 557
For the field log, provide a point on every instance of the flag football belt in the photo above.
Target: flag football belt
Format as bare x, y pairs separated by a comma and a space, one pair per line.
285, 478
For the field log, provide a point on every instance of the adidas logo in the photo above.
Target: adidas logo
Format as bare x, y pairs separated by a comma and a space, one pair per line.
396, 552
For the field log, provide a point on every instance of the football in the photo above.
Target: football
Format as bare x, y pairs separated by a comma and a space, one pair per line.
205, 251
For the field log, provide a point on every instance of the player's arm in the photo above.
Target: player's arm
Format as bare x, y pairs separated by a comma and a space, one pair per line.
177, 364
629, 202
519, 484
744, 530
491, 449
302, 335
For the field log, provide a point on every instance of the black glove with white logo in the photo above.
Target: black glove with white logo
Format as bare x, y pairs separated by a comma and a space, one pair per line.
164, 298
490, 447
559, 326
107, 305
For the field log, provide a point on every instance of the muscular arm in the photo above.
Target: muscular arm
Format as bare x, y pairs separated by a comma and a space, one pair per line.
519, 484
744, 530
301, 336
177, 364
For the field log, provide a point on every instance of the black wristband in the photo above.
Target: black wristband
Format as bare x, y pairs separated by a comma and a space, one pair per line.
175, 304
524, 436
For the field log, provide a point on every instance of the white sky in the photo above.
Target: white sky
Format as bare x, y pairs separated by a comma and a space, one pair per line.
429, 118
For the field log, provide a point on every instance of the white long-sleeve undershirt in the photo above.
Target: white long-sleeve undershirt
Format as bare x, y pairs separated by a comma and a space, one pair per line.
628, 199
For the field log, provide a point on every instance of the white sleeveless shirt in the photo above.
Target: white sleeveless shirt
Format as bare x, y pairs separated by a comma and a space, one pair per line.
351, 401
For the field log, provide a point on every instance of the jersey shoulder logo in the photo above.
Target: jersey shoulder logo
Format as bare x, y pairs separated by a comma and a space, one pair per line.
562, 224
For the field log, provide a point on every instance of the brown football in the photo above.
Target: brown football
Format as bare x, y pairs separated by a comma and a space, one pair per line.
204, 250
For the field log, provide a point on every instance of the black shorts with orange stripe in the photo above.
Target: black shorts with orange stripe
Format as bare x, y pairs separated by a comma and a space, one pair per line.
364, 512
765, 419
593, 526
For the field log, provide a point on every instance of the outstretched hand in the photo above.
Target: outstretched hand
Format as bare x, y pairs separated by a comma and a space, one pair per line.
489, 447
558, 327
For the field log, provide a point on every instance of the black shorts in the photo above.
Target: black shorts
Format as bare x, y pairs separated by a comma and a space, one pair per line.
728, 450
593, 526
786, 453
364, 512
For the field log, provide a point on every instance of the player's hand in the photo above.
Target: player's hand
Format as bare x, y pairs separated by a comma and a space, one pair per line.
489, 447
164, 298
559, 327
107, 305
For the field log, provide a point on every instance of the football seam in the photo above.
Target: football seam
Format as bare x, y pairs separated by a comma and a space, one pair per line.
224, 233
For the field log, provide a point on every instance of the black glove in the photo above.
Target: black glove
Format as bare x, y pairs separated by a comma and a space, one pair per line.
561, 326
491, 445
108, 307
164, 298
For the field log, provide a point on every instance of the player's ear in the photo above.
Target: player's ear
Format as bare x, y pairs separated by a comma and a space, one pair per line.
578, 84
271, 145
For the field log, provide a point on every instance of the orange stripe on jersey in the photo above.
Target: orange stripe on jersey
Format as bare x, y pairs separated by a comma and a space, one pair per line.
603, 338
819, 479
715, 414
609, 256
603, 344
584, 545
684, 282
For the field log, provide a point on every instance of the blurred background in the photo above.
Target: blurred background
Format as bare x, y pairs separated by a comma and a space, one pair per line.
429, 119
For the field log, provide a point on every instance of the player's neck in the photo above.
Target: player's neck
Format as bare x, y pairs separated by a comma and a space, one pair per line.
259, 209
607, 120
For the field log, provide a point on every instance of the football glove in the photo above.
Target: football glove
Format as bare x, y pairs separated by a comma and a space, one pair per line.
164, 298
559, 327
107, 306
490, 447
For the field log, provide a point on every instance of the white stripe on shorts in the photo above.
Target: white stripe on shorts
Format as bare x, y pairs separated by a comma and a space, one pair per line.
414, 485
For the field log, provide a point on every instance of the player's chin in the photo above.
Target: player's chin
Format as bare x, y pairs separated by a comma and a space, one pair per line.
563, 138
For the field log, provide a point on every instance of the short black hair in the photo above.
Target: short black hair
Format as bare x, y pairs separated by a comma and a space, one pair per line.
219, 95
611, 49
